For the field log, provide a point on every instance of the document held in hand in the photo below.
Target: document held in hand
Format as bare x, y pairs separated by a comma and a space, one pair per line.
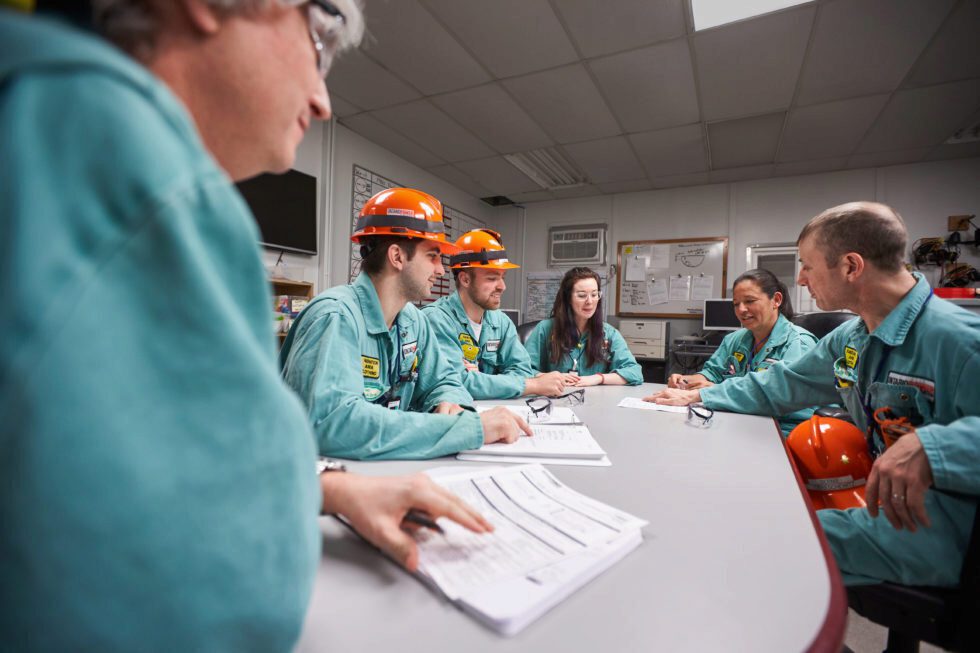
548, 541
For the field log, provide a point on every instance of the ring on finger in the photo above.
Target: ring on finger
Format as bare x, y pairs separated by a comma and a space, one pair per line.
898, 498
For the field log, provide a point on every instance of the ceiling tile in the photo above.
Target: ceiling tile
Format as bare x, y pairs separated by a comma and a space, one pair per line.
587, 190
881, 159
341, 108
744, 142
425, 124
868, 46
752, 66
490, 112
922, 117
407, 40
626, 186
377, 132
675, 181
672, 151
498, 175
959, 151
955, 51
366, 84
606, 160
510, 37
651, 88
460, 180
810, 167
604, 27
533, 196
566, 103
827, 130
740, 174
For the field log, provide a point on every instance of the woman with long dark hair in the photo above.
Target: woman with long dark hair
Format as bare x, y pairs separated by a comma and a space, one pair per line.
577, 342
762, 306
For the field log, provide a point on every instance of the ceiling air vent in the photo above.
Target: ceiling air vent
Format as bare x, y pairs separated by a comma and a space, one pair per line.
968, 134
497, 200
548, 168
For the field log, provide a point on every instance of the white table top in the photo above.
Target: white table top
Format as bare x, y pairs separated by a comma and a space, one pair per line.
731, 560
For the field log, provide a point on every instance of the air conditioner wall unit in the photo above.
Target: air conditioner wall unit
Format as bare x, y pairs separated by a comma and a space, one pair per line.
581, 244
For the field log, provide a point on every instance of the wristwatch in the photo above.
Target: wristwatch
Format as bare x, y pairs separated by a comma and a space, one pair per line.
324, 465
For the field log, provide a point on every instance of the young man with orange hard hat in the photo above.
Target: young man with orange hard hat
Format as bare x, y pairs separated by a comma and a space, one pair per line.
365, 361
473, 333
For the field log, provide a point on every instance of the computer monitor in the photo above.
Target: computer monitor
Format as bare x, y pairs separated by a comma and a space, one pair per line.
719, 315
513, 314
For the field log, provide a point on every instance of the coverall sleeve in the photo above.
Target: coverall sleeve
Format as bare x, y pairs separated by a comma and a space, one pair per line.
782, 388
514, 370
954, 449
439, 376
324, 367
714, 369
537, 348
623, 362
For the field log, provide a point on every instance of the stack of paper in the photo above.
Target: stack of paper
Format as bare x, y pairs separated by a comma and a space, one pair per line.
548, 541
559, 439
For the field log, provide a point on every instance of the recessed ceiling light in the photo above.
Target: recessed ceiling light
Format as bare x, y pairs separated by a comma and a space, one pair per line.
711, 13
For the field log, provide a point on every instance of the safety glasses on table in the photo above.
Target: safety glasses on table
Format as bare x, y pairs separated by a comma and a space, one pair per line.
326, 22
541, 406
699, 416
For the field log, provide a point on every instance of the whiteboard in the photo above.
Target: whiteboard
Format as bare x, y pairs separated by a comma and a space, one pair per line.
541, 288
670, 278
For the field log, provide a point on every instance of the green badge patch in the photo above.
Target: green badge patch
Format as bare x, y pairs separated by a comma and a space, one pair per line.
370, 367
851, 356
372, 391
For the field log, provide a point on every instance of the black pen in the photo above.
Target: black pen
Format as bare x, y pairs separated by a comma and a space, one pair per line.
422, 519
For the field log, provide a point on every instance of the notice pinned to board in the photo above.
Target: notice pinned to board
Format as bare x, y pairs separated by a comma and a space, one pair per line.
657, 291
701, 287
636, 267
680, 288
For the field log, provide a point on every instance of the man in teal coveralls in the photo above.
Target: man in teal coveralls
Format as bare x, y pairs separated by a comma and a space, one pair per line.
160, 491
366, 362
471, 330
910, 354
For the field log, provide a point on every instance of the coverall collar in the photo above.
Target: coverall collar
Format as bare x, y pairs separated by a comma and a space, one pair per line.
370, 303
895, 327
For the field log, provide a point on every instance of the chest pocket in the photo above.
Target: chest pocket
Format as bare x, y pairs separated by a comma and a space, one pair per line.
408, 371
736, 363
904, 401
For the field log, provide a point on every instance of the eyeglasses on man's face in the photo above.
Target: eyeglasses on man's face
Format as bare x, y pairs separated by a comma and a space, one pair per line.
595, 295
326, 22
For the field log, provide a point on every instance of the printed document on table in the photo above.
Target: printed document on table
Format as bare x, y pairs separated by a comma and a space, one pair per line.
542, 460
549, 440
636, 402
539, 524
558, 414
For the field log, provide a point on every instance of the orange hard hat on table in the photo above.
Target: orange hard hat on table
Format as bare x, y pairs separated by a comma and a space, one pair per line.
481, 248
832, 456
406, 213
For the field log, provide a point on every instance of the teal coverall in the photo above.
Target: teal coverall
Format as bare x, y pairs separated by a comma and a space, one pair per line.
734, 358
368, 388
621, 360
923, 362
504, 363
158, 477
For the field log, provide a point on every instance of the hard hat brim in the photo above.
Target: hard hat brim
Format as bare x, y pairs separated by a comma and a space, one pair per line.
493, 265
838, 499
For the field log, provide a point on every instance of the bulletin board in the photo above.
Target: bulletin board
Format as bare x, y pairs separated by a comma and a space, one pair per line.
670, 278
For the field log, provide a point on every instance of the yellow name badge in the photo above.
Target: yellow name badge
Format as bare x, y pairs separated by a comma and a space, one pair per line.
370, 367
739, 356
850, 356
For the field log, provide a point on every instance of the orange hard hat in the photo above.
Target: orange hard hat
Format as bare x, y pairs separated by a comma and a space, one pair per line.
481, 249
403, 212
832, 456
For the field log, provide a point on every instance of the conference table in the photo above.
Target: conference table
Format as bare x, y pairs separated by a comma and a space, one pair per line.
732, 558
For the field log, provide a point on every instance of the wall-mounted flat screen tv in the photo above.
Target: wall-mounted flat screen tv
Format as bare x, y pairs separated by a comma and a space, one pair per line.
284, 206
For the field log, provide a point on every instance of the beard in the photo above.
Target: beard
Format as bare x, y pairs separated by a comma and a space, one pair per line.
415, 290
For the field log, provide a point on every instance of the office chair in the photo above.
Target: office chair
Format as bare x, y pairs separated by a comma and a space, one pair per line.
941, 616
524, 330
820, 324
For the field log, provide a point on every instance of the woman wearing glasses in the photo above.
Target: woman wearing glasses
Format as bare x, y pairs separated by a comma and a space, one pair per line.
762, 305
577, 342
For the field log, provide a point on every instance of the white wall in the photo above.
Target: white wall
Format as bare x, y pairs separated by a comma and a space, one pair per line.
765, 211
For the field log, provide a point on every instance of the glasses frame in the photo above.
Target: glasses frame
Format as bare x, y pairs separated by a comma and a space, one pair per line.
541, 404
699, 416
322, 18
598, 296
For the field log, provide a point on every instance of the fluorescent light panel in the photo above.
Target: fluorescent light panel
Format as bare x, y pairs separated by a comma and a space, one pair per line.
711, 13
547, 168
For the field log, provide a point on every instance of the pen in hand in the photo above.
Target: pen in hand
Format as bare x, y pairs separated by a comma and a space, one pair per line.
422, 519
